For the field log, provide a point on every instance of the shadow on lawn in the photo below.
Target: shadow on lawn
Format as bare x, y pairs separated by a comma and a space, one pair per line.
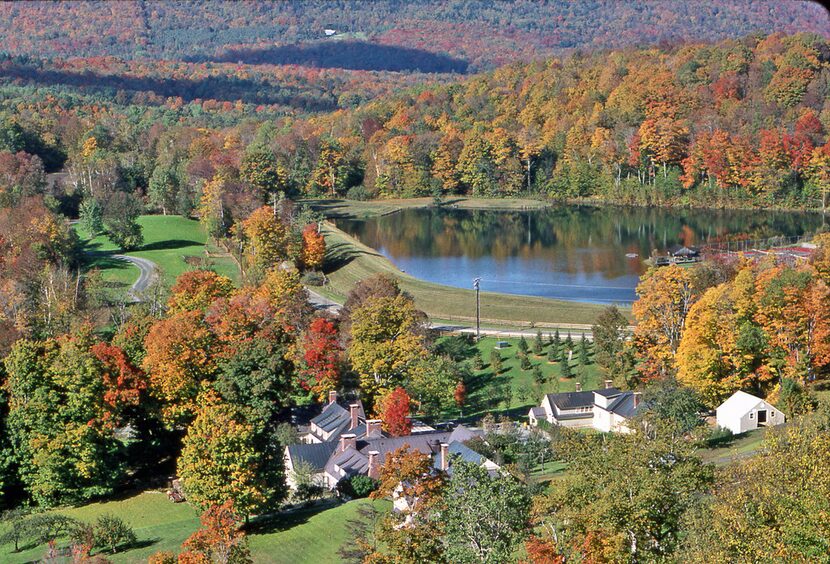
170, 244
341, 254
277, 522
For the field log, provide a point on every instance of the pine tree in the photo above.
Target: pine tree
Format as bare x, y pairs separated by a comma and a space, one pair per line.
566, 369
537, 375
553, 354
495, 361
523, 344
583, 351
537, 343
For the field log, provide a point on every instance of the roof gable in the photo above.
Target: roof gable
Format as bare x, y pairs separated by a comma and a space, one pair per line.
740, 402
571, 400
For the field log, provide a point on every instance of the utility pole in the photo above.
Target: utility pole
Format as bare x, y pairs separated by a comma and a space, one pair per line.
476, 284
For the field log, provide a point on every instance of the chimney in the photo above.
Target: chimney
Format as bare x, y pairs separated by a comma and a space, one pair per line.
608, 384
445, 456
332, 396
373, 428
353, 413
578, 387
374, 465
348, 440
636, 399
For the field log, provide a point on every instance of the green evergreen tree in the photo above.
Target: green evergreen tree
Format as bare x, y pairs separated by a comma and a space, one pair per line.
523, 347
495, 361
566, 369
538, 343
584, 358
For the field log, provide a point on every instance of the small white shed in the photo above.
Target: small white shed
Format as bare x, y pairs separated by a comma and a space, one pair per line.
744, 412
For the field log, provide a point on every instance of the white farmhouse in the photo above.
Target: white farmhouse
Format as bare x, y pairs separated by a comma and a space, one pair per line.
744, 412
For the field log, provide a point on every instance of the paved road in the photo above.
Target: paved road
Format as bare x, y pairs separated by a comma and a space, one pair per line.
147, 275
526, 333
322, 302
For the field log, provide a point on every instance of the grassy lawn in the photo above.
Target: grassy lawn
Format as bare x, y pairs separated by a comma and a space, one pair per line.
169, 241
741, 446
313, 535
348, 261
513, 391
361, 210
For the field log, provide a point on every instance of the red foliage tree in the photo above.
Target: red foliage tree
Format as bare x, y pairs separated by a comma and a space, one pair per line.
393, 409
124, 383
460, 394
322, 357
541, 551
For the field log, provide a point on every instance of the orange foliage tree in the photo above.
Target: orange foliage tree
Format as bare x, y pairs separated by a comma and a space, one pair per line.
196, 289
393, 409
220, 539
314, 247
179, 359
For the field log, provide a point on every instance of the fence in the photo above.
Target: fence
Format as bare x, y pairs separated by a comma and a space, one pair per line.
746, 245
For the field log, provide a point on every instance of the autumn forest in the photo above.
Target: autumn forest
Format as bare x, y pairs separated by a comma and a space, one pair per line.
134, 132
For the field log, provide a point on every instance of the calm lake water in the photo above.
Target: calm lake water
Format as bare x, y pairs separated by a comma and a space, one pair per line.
569, 252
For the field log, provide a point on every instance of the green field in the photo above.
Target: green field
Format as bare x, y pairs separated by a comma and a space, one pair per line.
348, 261
313, 535
486, 390
171, 241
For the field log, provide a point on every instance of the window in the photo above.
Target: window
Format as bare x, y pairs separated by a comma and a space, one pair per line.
752, 415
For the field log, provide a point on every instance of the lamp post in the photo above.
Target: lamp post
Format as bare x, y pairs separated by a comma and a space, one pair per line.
476, 284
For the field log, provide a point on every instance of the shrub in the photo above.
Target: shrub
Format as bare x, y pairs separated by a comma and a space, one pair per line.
164, 557
495, 361
478, 363
313, 278
358, 193
720, 436
112, 532
357, 486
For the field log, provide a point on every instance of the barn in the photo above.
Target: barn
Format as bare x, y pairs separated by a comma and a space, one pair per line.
744, 412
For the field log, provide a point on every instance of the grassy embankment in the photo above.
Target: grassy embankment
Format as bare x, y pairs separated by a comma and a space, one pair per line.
170, 241
310, 535
349, 261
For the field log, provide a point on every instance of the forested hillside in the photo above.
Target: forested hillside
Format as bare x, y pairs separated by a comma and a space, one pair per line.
475, 35
740, 121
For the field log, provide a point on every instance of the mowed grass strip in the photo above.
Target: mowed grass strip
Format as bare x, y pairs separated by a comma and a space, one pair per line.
353, 209
169, 241
349, 261
311, 535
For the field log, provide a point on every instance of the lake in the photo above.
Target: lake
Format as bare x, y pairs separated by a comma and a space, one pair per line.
567, 252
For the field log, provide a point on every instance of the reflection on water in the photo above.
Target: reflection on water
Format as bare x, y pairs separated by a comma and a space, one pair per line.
568, 252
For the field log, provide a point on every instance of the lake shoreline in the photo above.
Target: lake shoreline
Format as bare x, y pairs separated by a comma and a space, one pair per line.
357, 209
349, 261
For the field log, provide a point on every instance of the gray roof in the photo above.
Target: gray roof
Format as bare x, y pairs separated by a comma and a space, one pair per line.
538, 411
572, 400
462, 451
608, 392
624, 405
350, 461
316, 454
336, 419
333, 416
